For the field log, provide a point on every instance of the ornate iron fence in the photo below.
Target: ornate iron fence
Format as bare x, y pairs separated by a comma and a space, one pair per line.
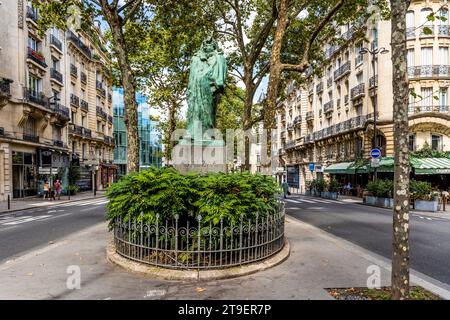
178, 245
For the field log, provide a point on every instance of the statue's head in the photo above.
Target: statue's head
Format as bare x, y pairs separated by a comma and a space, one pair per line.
209, 45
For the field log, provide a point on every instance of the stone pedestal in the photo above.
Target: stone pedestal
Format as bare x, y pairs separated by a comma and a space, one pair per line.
200, 156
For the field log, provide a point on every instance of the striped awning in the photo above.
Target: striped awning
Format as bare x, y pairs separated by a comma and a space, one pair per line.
431, 166
340, 168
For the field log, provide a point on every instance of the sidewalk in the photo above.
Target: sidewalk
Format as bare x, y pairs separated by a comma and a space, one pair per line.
318, 261
33, 202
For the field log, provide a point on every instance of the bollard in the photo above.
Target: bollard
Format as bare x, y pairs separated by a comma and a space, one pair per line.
9, 202
68, 192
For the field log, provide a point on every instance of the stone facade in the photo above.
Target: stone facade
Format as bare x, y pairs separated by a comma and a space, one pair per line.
331, 119
37, 117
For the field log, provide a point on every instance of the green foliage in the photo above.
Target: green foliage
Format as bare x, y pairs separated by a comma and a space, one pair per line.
421, 190
73, 189
381, 188
320, 185
168, 193
73, 174
333, 186
428, 152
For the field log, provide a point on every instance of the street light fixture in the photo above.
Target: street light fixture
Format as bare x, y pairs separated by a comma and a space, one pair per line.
374, 52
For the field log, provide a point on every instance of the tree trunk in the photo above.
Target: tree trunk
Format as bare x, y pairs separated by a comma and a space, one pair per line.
400, 246
248, 105
129, 89
171, 126
275, 74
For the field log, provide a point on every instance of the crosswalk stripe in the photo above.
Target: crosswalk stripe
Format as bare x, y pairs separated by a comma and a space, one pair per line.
29, 219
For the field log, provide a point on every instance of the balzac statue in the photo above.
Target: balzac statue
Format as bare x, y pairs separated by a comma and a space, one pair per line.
208, 71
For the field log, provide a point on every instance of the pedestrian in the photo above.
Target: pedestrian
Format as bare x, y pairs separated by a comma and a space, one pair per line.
285, 187
58, 188
46, 188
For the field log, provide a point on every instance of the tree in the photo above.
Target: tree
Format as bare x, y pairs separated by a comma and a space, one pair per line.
117, 16
400, 245
248, 25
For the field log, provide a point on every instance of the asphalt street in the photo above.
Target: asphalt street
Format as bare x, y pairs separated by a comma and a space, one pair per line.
23, 231
371, 228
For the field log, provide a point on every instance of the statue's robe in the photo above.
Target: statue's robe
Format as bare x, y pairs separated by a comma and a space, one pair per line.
206, 81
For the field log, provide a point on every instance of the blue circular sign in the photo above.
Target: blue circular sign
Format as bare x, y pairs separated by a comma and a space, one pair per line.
375, 153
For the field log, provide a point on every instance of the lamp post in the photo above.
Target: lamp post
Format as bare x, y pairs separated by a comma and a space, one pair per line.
374, 51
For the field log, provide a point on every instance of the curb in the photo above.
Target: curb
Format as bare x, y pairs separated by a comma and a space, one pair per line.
50, 205
169, 274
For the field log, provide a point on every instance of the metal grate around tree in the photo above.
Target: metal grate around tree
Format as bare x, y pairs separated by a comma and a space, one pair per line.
177, 244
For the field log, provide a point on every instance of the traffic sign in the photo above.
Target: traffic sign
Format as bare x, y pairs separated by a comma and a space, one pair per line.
311, 167
375, 153
375, 163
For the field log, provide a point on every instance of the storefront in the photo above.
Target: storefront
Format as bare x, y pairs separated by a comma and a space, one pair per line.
293, 176
108, 175
24, 173
53, 164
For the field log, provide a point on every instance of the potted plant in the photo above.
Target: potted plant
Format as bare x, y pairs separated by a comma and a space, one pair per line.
320, 187
424, 197
332, 189
380, 193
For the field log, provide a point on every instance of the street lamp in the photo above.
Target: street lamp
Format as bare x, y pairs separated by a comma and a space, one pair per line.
374, 52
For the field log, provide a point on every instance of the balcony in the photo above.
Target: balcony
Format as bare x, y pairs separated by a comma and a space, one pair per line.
87, 133
30, 138
108, 140
56, 75
102, 114
358, 91
74, 100
290, 126
109, 97
373, 82
319, 88
99, 86
289, 145
55, 42
328, 108
309, 116
83, 77
84, 105
36, 57
73, 70
36, 97
75, 130
32, 13
79, 44
410, 33
58, 143
110, 119
342, 71
329, 82
297, 121
427, 31
429, 71
427, 109
308, 138
444, 31
62, 112
338, 103
346, 99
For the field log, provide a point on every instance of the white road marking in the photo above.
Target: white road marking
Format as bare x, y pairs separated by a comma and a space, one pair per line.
12, 223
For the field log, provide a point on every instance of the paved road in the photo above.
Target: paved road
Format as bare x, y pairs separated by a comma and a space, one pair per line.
371, 228
28, 230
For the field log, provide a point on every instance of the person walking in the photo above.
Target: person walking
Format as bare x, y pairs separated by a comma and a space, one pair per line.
285, 187
57, 187
46, 188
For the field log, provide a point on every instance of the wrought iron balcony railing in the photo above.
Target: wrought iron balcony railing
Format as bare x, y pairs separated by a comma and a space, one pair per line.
412, 109
36, 57
429, 71
319, 87
83, 77
61, 111
56, 75
36, 97
99, 86
55, 42
32, 13
58, 143
373, 82
30, 138
73, 70
101, 113
84, 105
342, 71
79, 44
74, 100
110, 119
357, 91
328, 107
444, 31
309, 115
410, 33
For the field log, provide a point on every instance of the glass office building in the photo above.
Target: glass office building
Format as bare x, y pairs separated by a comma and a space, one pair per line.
150, 153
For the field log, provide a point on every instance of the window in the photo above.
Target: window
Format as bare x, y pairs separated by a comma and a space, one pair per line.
72, 88
412, 142
83, 151
436, 142
83, 121
35, 85
410, 57
55, 32
55, 64
83, 94
74, 117
427, 97
427, 56
443, 17
74, 147
99, 123
33, 43
443, 56
57, 133
443, 98
98, 101
359, 77
424, 14
410, 23
29, 127
359, 148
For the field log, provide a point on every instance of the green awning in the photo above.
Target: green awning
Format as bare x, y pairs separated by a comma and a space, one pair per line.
431, 166
340, 168
386, 165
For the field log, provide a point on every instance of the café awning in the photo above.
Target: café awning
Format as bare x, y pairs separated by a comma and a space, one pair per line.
340, 168
424, 166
